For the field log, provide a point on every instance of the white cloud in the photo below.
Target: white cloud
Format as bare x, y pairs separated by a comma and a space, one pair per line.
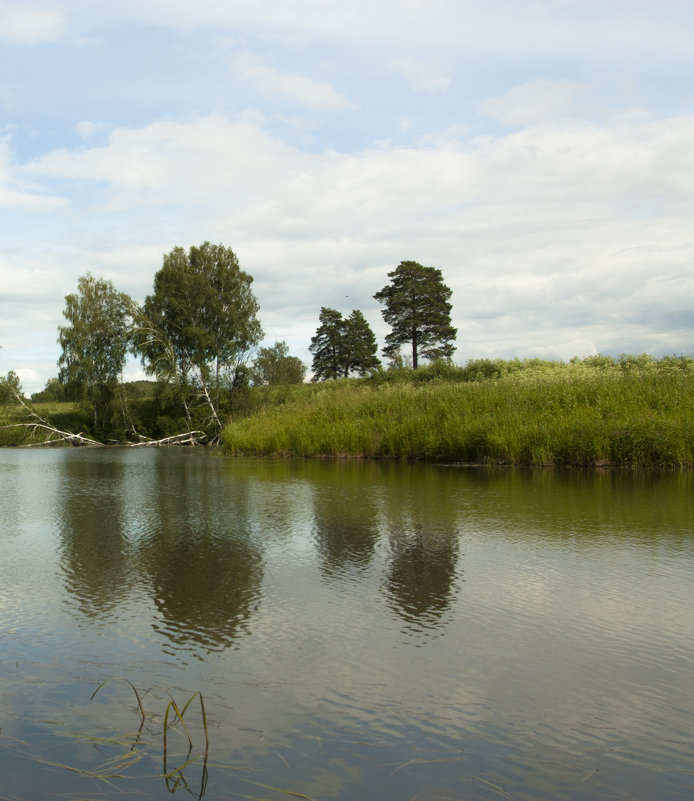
209, 161
87, 129
293, 88
17, 193
558, 217
423, 76
533, 102
570, 231
30, 24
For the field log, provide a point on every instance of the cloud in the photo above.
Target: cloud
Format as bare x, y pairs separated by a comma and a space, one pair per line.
207, 161
423, 76
87, 129
29, 24
533, 102
16, 192
559, 239
292, 88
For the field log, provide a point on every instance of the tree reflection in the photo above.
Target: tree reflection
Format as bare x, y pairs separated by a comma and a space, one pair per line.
421, 576
199, 556
421, 514
93, 545
345, 522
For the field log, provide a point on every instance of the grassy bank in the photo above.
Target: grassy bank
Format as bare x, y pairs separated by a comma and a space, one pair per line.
636, 412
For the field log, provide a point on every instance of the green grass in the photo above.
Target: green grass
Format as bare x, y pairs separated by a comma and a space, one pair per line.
63, 415
592, 412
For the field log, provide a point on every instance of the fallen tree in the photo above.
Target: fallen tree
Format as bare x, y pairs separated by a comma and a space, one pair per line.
56, 436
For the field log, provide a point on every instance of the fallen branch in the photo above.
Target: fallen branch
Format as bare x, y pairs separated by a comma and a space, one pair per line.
54, 434
186, 438
58, 435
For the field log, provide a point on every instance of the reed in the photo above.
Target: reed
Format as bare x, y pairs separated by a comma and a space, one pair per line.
590, 412
128, 756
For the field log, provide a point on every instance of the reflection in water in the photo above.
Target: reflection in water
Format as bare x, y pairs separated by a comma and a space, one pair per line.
293, 583
204, 586
421, 576
174, 526
422, 517
198, 554
94, 548
345, 523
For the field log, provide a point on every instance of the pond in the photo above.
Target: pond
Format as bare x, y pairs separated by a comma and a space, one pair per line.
356, 630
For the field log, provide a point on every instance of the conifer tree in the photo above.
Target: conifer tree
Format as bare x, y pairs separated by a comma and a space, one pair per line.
343, 346
360, 345
418, 311
327, 346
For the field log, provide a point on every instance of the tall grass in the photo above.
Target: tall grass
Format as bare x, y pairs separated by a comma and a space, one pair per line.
592, 412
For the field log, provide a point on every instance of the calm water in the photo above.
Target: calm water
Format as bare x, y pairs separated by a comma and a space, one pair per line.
357, 631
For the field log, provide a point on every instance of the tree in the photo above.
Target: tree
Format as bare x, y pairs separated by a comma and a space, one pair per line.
328, 345
200, 323
11, 391
275, 366
95, 342
341, 346
53, 391
418, 311
359, 345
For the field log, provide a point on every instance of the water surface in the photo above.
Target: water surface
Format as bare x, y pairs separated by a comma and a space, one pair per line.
357, 630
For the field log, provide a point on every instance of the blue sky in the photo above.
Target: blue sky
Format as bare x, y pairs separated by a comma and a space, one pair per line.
538, 152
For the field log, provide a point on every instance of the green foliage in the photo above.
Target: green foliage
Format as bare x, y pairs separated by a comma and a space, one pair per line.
54, 390
341, 347
273, 366
95, 343
197, 328
359, 345
328, 346
204, 306
418, 311
530, 412
10, 389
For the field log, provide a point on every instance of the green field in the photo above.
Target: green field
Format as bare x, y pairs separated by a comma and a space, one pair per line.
636, 411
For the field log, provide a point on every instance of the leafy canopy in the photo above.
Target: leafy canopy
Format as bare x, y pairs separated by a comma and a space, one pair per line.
202, 314
95, 340
274, 366
10, 389
359, 345
197, 328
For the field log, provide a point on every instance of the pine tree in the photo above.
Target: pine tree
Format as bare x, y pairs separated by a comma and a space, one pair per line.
418, 311
360, 345
343, 346
327, 346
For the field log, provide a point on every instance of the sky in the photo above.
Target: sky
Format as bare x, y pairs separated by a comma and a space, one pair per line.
538, 152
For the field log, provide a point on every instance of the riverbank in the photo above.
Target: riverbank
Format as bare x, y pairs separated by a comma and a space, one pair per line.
635, 412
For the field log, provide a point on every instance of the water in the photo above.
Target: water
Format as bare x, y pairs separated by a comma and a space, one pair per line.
357, 630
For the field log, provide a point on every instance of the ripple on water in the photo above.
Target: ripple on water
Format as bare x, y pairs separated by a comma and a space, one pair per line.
439, 638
